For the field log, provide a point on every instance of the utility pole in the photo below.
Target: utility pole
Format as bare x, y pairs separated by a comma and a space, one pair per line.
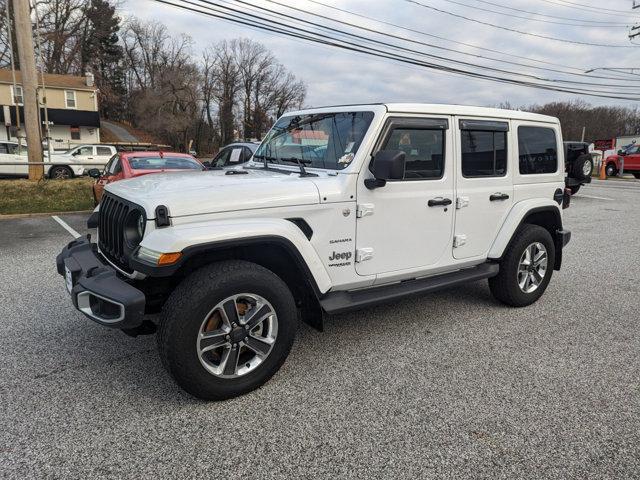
635, 30
26, 54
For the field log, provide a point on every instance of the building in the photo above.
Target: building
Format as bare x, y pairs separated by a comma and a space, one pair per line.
72, 108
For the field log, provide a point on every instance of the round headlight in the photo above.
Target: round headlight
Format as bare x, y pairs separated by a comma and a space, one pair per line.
134, 228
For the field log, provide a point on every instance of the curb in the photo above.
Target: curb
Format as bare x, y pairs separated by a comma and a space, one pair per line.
11, 216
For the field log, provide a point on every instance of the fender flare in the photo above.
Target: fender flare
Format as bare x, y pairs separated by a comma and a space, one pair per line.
515, 218
195, 238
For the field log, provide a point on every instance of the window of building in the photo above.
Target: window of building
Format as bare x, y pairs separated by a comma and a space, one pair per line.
483, 148
537, 150
75, 133
17, 95
70, 98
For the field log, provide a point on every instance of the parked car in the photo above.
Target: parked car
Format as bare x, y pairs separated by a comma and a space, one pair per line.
233, 154
59, 167
627, 159
92, 155
404, 199
134, 164
578, 165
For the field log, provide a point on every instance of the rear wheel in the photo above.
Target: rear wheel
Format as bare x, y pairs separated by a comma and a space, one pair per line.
610, 170
60, 173
582, 167
525, 268
226, 329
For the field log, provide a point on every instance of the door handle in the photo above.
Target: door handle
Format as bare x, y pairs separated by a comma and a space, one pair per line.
439, 201
498, 196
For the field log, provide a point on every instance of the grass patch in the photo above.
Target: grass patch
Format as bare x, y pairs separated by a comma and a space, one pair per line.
24, 196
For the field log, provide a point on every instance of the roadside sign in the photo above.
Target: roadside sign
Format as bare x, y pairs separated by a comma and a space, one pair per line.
604, 145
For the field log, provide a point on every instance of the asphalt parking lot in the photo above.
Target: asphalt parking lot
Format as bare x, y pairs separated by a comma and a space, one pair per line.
447, 385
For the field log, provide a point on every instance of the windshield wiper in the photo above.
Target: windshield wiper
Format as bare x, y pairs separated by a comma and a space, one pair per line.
301, 162
266, 158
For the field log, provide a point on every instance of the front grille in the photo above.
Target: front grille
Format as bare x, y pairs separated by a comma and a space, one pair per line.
111, 223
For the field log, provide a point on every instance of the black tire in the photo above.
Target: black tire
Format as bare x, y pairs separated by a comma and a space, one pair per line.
582, 167
574, 189
504, 286
186, 309
611, 170
637, 175
60, 172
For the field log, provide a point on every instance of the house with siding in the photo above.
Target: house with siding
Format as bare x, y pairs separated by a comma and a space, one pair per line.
72, 108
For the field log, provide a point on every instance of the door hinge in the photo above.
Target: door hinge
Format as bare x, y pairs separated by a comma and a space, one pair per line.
459, 240
364, 209
462, 202
363, 254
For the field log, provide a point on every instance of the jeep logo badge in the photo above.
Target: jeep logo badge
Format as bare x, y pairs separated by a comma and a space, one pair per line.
340, 256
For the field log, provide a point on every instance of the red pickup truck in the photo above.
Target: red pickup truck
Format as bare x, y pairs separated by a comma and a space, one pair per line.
628, 159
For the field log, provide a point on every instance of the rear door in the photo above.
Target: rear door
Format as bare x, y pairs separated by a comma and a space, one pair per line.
102, 156
484, 193
406, 225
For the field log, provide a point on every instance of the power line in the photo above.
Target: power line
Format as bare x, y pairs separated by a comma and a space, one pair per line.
546, 15
377, 32
354, 47
578, 70
575, 42
586, 8
511, 15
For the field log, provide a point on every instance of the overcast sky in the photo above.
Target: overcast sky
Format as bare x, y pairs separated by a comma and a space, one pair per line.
335, 76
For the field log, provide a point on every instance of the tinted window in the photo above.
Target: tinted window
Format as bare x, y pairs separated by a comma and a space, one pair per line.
424, 150
3, 148
164, 163
537, 150
484, 153
103, 150
221, 158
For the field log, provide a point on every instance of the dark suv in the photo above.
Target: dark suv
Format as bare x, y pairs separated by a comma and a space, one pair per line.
578, 165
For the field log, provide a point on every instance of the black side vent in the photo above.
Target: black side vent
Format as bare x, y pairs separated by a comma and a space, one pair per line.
302, 225
162, 216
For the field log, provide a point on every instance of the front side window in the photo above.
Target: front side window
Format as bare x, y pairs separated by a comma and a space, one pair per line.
423, 148
483, 153
164, 163
18, 97
70, 98
83, 152
222, 158
321, 140
114, 165
537, 150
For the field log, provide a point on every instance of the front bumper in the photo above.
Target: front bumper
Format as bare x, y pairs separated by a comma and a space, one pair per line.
95, 288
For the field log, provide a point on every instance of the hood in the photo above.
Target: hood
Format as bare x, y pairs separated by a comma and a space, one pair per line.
194, 193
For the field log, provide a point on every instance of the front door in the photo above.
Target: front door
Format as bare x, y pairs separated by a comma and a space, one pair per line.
406, 225
484, 186
632, 159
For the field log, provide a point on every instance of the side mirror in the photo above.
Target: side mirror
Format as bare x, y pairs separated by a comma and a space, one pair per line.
387, 165
94, 173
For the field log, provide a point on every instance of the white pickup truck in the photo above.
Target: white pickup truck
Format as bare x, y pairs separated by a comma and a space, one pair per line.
340, 208
63, 165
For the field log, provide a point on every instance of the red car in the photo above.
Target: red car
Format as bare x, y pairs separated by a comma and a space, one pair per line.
133, 164
629, 159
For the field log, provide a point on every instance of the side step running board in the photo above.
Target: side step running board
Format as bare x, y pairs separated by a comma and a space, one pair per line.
337, 302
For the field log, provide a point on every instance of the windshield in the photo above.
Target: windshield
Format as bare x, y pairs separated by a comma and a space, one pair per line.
164, 163
324, 140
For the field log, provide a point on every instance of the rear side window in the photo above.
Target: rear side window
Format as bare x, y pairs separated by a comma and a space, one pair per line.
424, 151
484, 153
104, 150
537, 150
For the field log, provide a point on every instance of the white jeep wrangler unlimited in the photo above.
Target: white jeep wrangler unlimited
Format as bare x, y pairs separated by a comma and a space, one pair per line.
340, 208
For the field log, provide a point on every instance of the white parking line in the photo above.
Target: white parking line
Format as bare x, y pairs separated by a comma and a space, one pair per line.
596, 198
64, 225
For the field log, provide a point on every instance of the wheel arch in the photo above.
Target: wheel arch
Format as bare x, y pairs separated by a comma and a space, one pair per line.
547, 216
61, 165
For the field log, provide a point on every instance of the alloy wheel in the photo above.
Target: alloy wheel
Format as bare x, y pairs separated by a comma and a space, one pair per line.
237, 335
532, 267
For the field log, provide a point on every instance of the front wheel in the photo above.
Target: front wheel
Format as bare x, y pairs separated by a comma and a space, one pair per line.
610, 170
637, 175
60, 173
525, 268
226, 329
